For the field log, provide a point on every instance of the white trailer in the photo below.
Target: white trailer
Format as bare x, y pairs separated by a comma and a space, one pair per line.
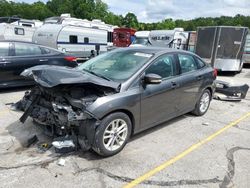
141, 38
176, 38
77, 37
222, 46
20, 30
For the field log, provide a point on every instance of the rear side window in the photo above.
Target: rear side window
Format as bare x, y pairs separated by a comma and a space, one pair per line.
200, 63
4, 49
187, 63
73, 39
46, 50
27, 49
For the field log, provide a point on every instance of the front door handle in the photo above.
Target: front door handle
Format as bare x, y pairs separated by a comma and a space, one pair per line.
199, 77
174, 85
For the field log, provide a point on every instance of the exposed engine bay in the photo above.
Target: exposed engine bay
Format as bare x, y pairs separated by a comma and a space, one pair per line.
61, 110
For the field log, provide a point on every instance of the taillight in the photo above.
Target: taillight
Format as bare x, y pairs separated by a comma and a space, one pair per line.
70, 58
215, 73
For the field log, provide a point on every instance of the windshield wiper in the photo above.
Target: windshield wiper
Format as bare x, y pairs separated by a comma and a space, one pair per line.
101, 76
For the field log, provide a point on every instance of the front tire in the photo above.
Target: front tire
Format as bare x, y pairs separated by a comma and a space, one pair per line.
112, 134
203, 103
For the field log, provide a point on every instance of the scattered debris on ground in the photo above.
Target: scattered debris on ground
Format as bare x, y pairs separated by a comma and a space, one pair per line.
43, 147
64, 144
61, 162
31, 140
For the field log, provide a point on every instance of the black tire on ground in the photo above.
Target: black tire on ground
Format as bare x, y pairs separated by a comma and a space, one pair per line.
98, 145
197, 111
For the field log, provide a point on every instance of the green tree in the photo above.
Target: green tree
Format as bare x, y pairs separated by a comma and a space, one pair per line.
130, 20
97, 9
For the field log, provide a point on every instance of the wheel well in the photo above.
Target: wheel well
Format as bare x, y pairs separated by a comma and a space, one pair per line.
128, 113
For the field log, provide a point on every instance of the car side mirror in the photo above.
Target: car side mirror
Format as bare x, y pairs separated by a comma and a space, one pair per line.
152, 79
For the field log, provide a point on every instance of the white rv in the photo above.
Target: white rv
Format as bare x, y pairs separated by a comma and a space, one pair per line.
78, 37
18, 29
176, 38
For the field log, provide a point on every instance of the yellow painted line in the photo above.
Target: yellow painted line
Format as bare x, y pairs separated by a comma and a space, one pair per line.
183, 154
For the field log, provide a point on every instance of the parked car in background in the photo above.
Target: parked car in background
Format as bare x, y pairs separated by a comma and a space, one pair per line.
114, 95
16, 56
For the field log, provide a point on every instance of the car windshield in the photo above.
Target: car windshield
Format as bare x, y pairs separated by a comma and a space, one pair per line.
143, 41
116, 65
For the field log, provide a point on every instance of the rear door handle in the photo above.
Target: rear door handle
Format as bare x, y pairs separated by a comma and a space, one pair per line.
4, 63
42, 60
199, 77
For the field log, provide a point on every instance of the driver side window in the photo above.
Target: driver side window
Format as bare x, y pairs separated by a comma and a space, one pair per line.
164, 66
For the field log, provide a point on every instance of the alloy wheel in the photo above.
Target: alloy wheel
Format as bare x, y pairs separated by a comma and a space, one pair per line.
204, 102
115, 134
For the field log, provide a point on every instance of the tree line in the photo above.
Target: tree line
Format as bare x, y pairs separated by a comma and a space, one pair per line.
96, 9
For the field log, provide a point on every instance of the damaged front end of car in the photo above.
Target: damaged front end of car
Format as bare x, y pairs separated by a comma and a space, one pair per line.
61, 106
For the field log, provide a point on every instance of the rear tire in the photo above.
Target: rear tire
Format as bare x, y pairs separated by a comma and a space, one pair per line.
240, 69
112, 134
203, 103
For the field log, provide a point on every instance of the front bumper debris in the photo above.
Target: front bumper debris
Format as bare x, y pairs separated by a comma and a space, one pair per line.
226, 92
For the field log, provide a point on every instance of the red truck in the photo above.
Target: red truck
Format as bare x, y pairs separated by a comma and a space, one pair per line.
123, 37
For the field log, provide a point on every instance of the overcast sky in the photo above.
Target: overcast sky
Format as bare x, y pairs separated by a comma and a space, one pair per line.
156, 10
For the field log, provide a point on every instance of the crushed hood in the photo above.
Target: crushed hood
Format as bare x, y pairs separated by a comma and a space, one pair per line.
51, 76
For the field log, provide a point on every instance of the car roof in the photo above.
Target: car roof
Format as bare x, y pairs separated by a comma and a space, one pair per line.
154, 50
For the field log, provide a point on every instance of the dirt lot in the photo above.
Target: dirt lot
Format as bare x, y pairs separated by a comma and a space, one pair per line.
208, 151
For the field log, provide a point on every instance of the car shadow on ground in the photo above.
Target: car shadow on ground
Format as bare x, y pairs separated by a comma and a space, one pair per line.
227, 73
22, 132
246, 65
91, 156
158, 127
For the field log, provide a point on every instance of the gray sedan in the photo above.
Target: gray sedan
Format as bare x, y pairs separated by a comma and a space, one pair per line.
101, 103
